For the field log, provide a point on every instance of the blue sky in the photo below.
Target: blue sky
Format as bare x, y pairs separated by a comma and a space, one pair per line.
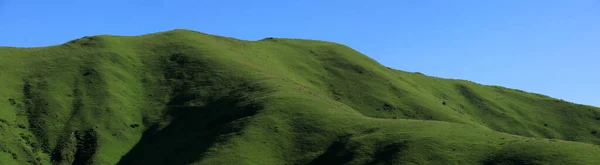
543, 46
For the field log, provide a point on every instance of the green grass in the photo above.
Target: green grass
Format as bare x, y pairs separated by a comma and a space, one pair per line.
184, 97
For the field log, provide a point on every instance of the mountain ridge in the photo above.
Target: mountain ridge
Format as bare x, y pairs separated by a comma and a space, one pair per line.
208, 99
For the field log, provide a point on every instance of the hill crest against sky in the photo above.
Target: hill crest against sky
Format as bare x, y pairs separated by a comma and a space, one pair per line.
419, 71
207, 99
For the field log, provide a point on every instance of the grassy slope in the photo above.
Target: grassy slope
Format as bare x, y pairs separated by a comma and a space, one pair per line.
183, 97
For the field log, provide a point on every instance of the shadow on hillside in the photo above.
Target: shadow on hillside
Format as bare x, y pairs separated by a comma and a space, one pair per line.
336, 153
205, 109
192, 133
339, 152
527, 154
388, 154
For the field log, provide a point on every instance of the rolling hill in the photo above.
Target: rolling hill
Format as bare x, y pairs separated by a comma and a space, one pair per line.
185, 97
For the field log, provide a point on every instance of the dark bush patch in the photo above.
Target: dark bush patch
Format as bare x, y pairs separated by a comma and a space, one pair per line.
14, 156
26, 138
545, 124
12, 101
337, 95
3, 121
36, 107
88, 72
34, 145
444, 103
22, 126
358, 69
79, 148
393, 88
91, 41
134, 125
179, 58
87, 144
370, 131
388, 107
594, 132
352, 67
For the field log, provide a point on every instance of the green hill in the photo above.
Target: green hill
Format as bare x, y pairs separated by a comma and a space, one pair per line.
184, 97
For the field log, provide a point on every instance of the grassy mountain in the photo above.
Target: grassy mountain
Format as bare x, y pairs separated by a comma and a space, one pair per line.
184, 97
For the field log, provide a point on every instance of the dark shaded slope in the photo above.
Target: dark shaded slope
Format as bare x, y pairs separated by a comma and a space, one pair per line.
204, 109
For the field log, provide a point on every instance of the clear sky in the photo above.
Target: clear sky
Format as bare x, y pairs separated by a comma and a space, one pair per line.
545, 46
